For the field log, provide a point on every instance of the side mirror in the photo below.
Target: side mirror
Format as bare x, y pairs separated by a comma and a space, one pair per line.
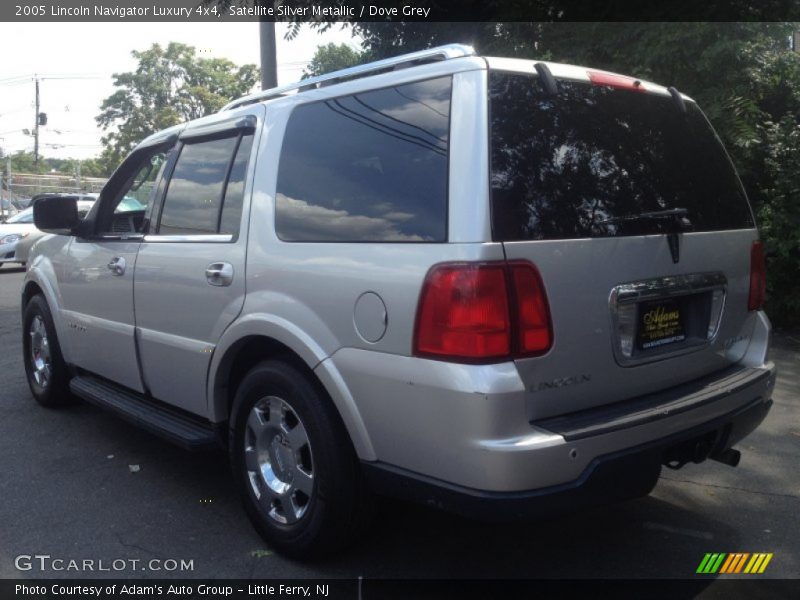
57, 215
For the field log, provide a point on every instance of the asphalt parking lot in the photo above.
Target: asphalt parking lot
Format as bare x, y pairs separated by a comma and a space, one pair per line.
78, 483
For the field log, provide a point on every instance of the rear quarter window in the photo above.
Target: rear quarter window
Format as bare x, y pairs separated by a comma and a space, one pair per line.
369, 167
582, 163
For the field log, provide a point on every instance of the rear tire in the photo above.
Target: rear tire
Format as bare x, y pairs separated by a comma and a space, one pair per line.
294, 464
47, 374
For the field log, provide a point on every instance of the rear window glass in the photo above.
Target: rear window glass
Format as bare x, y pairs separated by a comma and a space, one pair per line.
593, 161
367, 167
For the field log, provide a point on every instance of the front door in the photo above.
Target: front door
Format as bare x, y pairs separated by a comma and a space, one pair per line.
189, 283
95, 273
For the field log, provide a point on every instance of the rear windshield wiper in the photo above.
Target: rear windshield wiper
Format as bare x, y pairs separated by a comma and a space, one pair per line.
677, 215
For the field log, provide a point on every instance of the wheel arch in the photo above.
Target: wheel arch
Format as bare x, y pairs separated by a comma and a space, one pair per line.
38, 282
244, 346
29, 290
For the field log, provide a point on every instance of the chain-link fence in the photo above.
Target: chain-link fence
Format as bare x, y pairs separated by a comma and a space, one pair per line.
17, 189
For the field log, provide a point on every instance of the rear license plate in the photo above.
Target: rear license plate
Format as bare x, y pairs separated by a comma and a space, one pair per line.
660, 322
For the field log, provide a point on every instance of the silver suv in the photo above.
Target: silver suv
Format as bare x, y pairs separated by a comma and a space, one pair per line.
500, 287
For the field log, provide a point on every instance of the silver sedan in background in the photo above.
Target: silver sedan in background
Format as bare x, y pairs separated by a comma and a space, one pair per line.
18, 233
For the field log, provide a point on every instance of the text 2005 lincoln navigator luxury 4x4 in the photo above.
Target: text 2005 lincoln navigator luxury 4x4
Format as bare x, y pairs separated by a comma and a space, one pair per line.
496, 286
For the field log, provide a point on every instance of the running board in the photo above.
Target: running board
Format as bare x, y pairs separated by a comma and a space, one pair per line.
187, 431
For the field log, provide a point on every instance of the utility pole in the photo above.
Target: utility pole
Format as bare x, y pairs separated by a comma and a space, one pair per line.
36, 127
8, 187
269, 63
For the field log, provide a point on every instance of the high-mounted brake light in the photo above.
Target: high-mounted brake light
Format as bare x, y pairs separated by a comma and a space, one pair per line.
758, 277
615, 81
482, 312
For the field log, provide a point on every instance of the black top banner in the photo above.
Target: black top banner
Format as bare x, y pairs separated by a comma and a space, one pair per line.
393, 10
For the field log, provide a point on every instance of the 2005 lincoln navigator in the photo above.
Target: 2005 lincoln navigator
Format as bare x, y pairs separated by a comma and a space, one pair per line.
500, 287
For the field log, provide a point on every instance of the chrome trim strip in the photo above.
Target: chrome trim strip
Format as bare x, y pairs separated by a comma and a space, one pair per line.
672, 285
218, 238
622, 304
122, 237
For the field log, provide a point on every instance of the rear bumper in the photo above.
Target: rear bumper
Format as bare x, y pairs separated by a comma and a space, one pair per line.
620, 475
467, 425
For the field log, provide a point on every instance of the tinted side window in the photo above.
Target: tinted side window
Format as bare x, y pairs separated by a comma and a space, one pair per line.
142, 187
367, 167
234, 191
194, 196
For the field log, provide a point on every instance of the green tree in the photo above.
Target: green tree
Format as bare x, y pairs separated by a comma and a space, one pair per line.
332, 57
93, 167
169, 86
22, 162
89, 167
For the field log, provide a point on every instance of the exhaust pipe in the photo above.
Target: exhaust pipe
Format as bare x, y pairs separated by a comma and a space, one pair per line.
728, 457
699, 449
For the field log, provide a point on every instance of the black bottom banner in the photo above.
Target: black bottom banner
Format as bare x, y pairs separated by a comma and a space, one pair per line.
388, 589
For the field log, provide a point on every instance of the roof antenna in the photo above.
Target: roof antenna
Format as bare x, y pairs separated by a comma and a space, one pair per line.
546, 78
677, 98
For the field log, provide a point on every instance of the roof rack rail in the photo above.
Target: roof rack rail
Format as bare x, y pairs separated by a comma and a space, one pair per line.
404, 60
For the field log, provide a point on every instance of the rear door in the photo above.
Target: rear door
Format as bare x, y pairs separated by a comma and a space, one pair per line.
634, 216
190, 279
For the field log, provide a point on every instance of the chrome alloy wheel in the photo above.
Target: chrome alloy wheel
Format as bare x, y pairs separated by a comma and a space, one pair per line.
278, 460
41, 361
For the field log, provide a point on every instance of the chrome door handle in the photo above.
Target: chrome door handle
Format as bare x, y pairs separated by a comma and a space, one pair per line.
117, 265
219, 274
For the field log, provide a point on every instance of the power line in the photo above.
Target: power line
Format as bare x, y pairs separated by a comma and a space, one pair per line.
65, 145
13, 83
14, 111
51, 78
17, 78
24, 80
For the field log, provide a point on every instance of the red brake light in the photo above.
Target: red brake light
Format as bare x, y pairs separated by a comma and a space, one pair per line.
467, 314
463, 312
533, 314
758, 277
615, 81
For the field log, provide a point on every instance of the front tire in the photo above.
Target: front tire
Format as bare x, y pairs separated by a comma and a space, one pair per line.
45, 368
294, 463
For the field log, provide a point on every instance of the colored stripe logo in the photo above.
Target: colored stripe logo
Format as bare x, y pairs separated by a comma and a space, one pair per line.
734, 563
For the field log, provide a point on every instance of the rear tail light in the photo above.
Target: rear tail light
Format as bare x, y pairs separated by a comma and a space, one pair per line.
758, 277
533, 314
482, 312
